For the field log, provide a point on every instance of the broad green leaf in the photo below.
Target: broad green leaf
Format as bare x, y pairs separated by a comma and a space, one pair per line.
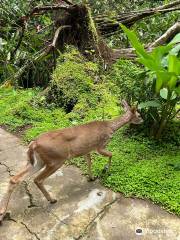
172, 82
163, 78
172, 60
159, 83
159, 52
173, 67
148, 104
164, 93
158, 55
176, 39
177, 90
135, 42
175, 51
150, 64
173, 95
174, 64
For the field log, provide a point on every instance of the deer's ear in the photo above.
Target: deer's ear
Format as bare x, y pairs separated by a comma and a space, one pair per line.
125, 105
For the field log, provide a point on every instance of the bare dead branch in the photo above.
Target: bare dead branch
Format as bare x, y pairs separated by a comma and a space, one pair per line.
129, 53
169, 5
56, 35
108, 26
168, 35
42, 53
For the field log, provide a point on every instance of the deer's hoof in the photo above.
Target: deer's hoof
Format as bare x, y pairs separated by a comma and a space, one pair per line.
1, 218
105, 169
53, 201
91, 179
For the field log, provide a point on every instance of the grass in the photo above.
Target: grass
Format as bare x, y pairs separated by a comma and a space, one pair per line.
140, 167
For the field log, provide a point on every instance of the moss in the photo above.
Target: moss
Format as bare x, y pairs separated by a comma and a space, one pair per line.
72, 78
19, 109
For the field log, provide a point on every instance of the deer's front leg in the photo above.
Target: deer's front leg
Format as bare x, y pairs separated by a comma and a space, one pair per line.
89, 163
105, 153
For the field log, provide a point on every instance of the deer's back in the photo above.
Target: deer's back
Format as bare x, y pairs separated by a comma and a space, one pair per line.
74, 141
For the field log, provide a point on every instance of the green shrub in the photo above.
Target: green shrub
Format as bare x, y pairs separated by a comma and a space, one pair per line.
163, 72
129, 80
100, 104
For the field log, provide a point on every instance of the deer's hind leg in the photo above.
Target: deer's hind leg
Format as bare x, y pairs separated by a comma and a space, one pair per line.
28, 170
48, 171
105, 153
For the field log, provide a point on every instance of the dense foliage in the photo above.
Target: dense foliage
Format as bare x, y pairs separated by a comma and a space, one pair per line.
163, 73
20, 43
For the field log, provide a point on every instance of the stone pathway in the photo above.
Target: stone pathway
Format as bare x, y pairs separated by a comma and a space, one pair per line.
84, 211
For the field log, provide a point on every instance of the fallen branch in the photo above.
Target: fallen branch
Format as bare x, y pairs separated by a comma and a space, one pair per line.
105, 24
56, 35
129, 53
169, 5
68, 2
167, 36
108, 26
75, 37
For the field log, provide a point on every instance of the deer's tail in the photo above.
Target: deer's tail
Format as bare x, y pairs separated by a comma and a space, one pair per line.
30, 153
34, 160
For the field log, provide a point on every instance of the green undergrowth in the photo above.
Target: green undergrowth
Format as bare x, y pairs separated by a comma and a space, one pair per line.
140, 167
20, 112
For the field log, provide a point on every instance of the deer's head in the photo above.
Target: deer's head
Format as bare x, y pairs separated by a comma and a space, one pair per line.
135, 117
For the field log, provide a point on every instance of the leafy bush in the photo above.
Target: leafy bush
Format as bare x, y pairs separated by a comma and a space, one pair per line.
14, 53
163, 71
129, 80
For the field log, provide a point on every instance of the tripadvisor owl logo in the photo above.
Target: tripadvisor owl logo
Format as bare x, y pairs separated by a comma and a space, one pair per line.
139, 231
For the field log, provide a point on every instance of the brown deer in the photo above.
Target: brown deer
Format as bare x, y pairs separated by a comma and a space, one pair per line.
50, 150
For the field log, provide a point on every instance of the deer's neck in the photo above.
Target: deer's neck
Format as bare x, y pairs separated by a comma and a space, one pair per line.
120, 121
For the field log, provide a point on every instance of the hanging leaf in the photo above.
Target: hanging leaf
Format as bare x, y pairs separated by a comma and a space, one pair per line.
176, 39
163, 78
148, 104
173, 95
135, 42
164, 93
173, 67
